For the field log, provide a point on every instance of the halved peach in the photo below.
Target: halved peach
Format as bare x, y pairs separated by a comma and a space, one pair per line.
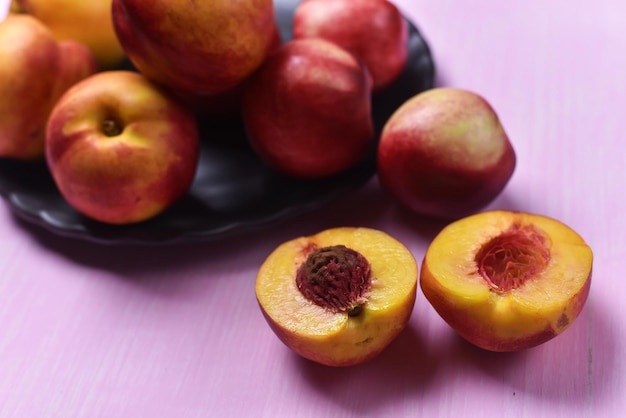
339, 297
507, 281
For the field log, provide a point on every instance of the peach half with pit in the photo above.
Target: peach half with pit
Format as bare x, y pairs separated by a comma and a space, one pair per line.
338, 297
507, 281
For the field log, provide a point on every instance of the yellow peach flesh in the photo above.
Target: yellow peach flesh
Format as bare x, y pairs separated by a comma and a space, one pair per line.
542, 307
336, 338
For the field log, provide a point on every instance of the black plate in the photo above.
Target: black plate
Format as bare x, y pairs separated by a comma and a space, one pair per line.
233, 190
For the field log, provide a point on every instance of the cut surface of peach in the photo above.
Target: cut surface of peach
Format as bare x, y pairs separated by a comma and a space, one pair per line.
334, 329
507, 281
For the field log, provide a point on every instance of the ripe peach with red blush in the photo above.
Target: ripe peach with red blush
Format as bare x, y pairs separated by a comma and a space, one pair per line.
307, 110
36, 70
444, 153
120, 148
507, 281
374, 30
197, 47
88, 22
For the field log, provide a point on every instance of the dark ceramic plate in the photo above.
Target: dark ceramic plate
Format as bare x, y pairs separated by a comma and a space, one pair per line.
233, 190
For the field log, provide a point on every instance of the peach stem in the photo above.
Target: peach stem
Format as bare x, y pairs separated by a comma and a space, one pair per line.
111, 128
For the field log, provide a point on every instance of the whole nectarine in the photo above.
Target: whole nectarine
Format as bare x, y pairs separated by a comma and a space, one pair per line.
88, 22
307, 110
201, 48
120, 148
36, 70
445, 154
374, 30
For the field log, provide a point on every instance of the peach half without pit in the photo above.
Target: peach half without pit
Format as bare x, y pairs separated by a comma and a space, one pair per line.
338, 297
507, 281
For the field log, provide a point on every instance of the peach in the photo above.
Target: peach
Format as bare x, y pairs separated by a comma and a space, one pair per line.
374, 30
444, 153
36, 71
88, 22
507, 281
196, 47
307, 110
120, 148
338, 297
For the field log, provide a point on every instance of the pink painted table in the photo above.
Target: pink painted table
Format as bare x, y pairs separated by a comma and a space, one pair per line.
174, 331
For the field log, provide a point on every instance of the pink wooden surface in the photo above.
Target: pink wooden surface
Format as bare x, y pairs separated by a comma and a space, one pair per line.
100, 331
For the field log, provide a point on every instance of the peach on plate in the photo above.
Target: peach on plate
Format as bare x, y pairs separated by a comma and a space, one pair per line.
36, 70
120, 148
307, 110
88, 22
374, 30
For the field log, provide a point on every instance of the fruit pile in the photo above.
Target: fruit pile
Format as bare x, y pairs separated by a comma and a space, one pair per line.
306, 103
122, 146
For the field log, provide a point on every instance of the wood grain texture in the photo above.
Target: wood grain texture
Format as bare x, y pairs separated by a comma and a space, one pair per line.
175, 331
